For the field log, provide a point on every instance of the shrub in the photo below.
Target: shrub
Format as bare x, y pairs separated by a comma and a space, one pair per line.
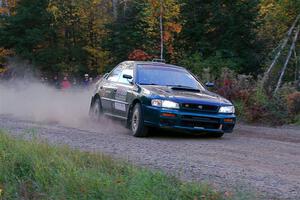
253, 103
277, 111
297, 120
293, 103
240, 109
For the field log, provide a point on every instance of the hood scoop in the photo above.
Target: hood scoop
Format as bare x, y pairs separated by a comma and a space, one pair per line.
183, 88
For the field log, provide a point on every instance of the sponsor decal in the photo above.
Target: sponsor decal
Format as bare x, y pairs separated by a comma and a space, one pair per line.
120, 106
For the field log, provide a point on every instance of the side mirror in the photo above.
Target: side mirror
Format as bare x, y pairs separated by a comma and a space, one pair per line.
127, 76
210, 84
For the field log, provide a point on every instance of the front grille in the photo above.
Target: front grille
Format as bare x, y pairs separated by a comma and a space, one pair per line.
200, 121
167, 122
199, 107
200, 124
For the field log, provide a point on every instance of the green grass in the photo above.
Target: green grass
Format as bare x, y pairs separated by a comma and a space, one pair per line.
35, 170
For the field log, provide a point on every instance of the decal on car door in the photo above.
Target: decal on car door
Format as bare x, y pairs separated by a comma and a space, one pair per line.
120, 106
121, 96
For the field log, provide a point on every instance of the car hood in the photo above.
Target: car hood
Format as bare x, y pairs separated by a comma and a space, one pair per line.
186, 96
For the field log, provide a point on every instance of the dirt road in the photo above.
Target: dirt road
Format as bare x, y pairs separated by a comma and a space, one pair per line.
264, 160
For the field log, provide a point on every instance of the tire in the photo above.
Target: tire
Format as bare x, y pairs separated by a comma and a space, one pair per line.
95, 109
137, 122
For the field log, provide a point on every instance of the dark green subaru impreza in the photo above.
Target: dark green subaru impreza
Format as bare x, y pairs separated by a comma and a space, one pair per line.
157, 95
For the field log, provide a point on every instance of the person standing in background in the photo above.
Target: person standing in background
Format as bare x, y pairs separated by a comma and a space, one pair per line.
91, 81
56, 82
65, 84
86, 81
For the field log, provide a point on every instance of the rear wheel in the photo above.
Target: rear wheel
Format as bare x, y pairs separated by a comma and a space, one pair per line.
96, 109
137, 122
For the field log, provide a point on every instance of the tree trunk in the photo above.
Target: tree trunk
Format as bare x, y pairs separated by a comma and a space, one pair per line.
280, 49
296, 64
287, 59
115, 8
298, 74
124, 7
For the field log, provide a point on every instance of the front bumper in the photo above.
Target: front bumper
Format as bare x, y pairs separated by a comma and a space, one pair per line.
188, 121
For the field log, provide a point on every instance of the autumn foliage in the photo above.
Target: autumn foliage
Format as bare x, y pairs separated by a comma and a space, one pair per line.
4, 53
139, 55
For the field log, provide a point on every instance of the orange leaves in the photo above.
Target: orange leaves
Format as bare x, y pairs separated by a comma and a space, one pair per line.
172, 27
155, 4
139, 55
7, 7
3, 10
5, 52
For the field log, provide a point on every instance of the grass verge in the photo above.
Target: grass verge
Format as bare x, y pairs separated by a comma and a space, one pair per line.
36, 170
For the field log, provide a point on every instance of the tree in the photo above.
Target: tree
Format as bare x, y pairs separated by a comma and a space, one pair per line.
29, 30
222, 28
127, 32
171, 23
59, 36
81, 29
276, 18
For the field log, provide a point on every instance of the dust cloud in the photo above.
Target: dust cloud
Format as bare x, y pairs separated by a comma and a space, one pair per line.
34, 101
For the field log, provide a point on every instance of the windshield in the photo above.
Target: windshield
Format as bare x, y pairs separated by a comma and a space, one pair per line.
166, 76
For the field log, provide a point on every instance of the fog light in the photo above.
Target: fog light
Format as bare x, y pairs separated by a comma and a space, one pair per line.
228, 120
168, 115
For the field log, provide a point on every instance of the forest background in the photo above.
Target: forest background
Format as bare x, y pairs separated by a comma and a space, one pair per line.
229, 42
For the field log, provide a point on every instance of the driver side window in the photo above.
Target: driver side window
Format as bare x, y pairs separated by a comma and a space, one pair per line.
114, 76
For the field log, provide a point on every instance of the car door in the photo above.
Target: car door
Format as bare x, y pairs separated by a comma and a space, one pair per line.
108, 90
124, 89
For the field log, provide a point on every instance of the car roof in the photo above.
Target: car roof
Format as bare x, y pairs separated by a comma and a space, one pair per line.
158, 64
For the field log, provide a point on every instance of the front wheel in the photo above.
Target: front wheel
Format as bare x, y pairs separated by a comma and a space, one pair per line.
137, 122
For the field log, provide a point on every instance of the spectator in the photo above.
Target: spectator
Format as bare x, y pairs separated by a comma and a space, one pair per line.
56, 82
74, 82
65, 84
86, 81
91, 81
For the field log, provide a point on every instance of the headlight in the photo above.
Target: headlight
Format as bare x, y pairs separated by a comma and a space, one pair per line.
164, 103
227, 109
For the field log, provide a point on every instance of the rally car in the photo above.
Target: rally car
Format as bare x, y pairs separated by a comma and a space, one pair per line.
157, 95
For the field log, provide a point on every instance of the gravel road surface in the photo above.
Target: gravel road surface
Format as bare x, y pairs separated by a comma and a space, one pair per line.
259, 159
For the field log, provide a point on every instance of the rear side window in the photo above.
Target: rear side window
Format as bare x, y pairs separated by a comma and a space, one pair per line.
117, 74
114, 76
